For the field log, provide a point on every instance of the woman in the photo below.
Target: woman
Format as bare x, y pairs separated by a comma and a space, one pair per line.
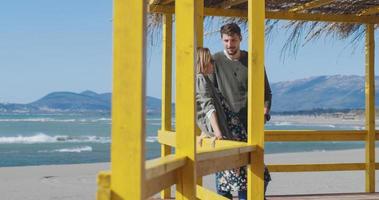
216, 120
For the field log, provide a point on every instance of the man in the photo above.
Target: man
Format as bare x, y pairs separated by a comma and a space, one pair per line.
231, 76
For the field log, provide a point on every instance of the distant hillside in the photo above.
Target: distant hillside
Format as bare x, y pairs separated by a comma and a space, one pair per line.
338, 92
321, 92
87, 101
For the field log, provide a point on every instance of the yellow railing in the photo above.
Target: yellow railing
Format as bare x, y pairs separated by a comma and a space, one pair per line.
131, 177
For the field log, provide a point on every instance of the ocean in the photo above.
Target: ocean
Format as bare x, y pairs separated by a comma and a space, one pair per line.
46, 139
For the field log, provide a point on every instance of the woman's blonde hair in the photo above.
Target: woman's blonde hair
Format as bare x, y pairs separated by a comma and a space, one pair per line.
203, 58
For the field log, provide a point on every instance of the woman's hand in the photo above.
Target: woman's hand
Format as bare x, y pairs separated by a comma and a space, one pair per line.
218, 136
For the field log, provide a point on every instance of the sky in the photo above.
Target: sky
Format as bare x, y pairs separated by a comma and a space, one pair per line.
52, 45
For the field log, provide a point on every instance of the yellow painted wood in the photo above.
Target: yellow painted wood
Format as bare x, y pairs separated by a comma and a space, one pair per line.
256, 37
205, 194
215, 162
166, 87
186, 29
159, 166
310, 5
166, 72
227, 150
167, 138
281, 15
370, 108
231, 3
153, 186
317, 167
128, 133
370, 11
199, 42
103, 186
313, 135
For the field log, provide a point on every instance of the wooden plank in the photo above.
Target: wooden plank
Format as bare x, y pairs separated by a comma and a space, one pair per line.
163, 165
186, 30
310, 5
231, 3
168, 137
212, 165
370, 11
128, 133
166, 72
166, 86
219, 152
160, 2
205, 194
103, 186
370, 109
159, 183
313, 135
255, 127
280, 15
317, 167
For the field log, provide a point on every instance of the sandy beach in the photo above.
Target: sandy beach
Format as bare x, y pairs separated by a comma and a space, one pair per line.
78, 182
325, 119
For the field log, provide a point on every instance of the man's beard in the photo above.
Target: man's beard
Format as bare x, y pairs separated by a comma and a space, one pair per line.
232, 52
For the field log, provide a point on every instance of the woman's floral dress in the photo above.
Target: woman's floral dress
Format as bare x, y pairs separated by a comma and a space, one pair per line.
235, 179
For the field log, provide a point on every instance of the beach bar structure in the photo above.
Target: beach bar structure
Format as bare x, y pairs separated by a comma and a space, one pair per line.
132, 177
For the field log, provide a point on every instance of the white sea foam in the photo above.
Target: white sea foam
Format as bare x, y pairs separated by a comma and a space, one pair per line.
43, 138
74, 149
282, 123
55, 120
37, 120
69, 150
152, 139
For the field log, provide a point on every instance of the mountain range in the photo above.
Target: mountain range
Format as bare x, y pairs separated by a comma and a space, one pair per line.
320, 92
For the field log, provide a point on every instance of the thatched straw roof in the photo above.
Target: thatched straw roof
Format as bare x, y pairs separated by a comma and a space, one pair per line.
340, 18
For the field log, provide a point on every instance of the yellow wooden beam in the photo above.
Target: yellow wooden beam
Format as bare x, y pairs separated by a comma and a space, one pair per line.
160, 2
186, 30
168, 137
159, 166
223, 151
310, 5
166, 72
205, 194
103, 186
317, 167
216, 163
166, 86
231, 3
128, 133
280, 15
370, 11
370, 108
255, 127
310, 135
154, 185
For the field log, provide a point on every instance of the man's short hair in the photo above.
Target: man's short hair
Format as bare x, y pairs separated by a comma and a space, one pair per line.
230, 29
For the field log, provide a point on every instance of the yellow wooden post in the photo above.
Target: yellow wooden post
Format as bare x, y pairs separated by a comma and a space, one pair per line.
199, 41
166, 86
186, 26
103, 186
256, 25
370, 109
128, 134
